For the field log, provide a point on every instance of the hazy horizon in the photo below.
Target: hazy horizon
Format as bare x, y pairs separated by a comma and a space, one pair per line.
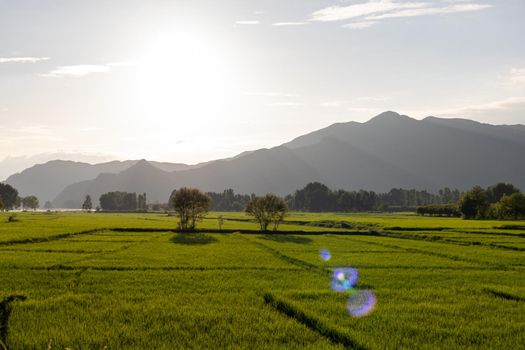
188, 81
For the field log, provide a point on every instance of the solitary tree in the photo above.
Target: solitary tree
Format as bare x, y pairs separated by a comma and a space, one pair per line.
266, 210
473, 204
191, 205
9, 196
30, 202
87, 205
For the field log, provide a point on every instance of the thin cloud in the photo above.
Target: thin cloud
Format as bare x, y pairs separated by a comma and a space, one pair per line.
359, 25
247, 22
341, 13
22, 59
432, 11
81, 70
289, 24
517, 76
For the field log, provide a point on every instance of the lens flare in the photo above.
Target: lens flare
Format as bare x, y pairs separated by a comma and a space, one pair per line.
344, 278
361, 303
325, 254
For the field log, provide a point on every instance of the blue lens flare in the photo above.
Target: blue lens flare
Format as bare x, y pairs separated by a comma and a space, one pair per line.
325, 254
344, 278
361, 302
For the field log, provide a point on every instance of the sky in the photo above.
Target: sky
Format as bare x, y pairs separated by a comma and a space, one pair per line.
190, 81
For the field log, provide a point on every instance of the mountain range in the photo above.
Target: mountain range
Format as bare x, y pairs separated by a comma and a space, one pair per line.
388, 151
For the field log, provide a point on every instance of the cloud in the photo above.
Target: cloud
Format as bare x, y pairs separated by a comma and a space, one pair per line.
359, 25
517, 76
81, 70
289, 24
22, 59
340, 13
431, 11
369, 13
247, 22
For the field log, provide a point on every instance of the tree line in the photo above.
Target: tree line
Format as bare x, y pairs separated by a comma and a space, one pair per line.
9, 199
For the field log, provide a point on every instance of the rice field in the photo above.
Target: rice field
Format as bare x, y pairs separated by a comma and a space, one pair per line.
129, 281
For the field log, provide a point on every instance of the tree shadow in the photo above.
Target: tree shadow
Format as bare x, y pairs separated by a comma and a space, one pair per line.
287, 238
193, 239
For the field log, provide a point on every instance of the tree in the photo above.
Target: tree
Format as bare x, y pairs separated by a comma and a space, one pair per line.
511, 207
473, 204
9, 196
118, 201
1, 203
142, 202
87, 205
497, 191
30, 202
48, 205
191, 205
266, 210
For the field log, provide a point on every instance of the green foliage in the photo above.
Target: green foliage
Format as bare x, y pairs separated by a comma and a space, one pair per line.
30, 202
266, 210
497, 191
439, 210
191, 205
509, 207
9, 196
87, 205
119, 201
473, 204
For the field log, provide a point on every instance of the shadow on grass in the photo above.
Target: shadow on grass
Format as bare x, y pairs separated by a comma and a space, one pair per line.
193, 239
287, 239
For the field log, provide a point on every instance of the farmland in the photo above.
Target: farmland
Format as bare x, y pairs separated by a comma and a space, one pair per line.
94, 281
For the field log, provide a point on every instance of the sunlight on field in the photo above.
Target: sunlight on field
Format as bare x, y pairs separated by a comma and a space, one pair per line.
82, 280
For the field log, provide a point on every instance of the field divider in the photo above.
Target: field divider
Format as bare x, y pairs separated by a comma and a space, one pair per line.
294, 261
312, 323
51, 238
503, 295
150, 268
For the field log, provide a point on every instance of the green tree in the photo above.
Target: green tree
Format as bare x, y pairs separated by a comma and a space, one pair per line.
1, 203
87, 205
30, 202
191, 205
9, 196
266, 210
497, 191
473, 204
511, 207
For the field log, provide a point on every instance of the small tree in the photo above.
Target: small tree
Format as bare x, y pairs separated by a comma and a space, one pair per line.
511, 207
87, 205
266, 210
191, 205
473, 204
48, 205
30, 202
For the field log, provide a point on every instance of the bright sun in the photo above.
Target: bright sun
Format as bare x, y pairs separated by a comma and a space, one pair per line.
184, 76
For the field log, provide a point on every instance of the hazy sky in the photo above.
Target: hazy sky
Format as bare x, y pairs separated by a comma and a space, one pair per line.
189, 81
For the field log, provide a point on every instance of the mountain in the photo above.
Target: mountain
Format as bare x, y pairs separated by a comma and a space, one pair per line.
388, 151
12, 165
47, 180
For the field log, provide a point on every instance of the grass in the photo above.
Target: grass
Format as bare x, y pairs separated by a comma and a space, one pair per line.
115, 281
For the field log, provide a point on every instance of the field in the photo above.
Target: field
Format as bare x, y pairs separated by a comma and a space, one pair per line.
112, 281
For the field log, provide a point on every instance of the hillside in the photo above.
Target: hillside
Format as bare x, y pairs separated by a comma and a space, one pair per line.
388, 151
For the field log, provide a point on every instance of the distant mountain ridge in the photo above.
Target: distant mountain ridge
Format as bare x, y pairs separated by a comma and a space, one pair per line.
389, 150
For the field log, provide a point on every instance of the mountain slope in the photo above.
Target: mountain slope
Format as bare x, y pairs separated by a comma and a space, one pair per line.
388, 151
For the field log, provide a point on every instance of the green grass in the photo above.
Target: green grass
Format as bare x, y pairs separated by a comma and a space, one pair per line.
441, 283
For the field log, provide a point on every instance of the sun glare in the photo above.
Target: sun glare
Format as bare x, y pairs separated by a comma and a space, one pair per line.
183, 75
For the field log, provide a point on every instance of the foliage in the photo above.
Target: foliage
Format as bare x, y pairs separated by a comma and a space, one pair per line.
87, 205
497, 191
30, 202
439, 210
316, 197
509, 207
119, 201
473, 204
48, 205
228, 200
9, 196
142, 202
266, 210
191, 205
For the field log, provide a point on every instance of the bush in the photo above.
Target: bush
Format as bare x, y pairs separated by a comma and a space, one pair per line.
12, 218
439, 210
